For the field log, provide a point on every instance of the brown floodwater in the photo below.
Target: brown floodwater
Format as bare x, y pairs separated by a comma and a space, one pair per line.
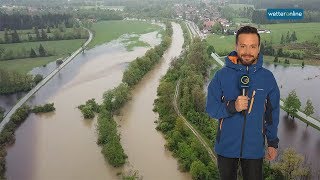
294, 133
62, 145
143, 144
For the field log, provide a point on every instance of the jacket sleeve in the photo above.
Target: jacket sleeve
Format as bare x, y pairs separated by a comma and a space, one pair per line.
215, 107
272, 126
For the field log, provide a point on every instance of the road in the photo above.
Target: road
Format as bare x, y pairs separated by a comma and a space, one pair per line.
43, 82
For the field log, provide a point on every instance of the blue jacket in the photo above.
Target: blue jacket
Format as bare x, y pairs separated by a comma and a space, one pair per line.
239, 135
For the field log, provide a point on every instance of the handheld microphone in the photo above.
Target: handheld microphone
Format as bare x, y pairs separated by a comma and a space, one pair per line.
244, 85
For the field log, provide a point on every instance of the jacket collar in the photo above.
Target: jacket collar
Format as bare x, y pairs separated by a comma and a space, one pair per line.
232, 58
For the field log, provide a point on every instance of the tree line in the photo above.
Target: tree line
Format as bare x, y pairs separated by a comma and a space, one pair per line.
59, 32
2, 111
98, 14
18, 20
12, 82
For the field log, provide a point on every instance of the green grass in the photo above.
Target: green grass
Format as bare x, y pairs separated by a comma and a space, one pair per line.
134, 42
59, 48
106, 31
297, 62
304, 31
25, 65
62, 47
222, 43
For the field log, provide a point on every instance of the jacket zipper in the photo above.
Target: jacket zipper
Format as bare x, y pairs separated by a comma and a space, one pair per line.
244, 125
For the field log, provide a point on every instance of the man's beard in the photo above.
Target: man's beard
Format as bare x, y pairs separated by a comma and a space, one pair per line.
247, 63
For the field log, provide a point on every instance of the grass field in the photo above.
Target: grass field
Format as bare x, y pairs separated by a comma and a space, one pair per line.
106, 31
23, 34
59, 48
304, 31
25, 65
222, 44
296, 62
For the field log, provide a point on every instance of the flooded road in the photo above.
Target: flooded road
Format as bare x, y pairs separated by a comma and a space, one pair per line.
142, 143
62, 145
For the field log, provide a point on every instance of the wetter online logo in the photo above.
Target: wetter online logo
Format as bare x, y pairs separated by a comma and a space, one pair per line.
287, 14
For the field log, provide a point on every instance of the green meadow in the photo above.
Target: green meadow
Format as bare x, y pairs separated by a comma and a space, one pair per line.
106, 31
59, 48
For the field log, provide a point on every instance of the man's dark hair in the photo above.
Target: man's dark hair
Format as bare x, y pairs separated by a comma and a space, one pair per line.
247, 30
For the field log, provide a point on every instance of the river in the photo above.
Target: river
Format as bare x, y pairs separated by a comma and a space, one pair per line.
62, 145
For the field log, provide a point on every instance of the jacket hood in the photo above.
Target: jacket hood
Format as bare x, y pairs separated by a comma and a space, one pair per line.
231, 61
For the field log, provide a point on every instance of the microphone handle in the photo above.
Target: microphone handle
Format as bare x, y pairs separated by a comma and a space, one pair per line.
243, 94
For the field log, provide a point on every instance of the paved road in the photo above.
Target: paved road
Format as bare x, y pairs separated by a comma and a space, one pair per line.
43, 82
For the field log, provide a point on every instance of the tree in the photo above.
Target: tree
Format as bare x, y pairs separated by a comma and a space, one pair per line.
2, 110
286, 61
302, 64
292, 103
6, 36
276, 59
280, 52
217, 28
293, 36
282, 39
309, 109
62, 27
57, 34
36, 31
42, 51
44, 35
210, 50
262, 48
288, 38
198, 170
15, 37
48, 30
37, 78
30, 37
33, 53
2, 50
291, 165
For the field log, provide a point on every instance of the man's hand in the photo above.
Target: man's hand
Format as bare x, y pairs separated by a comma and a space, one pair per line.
271, 153
241, 103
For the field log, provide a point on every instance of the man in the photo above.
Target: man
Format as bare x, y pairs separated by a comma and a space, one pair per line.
244, 97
